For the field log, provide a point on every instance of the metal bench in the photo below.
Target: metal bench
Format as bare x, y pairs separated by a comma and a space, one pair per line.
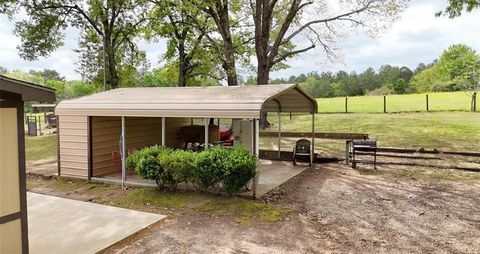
361, 147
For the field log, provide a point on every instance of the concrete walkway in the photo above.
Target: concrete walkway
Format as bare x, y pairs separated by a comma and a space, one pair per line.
272, 174
60, 225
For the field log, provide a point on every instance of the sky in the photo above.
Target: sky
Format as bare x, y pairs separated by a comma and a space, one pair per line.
418, 36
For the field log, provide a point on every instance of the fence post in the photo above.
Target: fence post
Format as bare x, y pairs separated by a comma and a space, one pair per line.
384, 104
426, 98
474, 101
346, 104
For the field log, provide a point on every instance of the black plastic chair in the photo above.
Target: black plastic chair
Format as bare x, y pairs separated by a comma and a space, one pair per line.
302, 151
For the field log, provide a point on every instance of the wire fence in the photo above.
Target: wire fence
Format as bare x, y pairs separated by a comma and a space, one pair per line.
446, 101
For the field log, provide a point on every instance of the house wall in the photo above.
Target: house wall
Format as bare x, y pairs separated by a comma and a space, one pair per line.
10, 232
73, 146
13, 198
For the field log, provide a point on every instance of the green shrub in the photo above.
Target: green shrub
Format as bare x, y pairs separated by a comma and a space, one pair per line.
239, 167
150, 168
178, 167
208, 167
134, 158
232, 168
146, 162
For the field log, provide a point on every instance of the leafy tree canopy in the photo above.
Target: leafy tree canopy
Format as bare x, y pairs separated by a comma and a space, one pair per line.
456, 7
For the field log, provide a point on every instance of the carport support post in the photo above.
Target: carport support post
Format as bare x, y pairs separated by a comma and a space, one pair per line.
257, 138
124, 175
206, 132
163, 131
279, 135
256, 132
313, 138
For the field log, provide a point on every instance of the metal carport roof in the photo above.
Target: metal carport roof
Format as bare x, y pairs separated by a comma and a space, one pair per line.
213, 101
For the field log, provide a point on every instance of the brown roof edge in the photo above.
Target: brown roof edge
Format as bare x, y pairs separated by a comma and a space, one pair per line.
28, 90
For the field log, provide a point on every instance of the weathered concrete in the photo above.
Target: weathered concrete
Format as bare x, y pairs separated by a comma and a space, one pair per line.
60, 225
272, 174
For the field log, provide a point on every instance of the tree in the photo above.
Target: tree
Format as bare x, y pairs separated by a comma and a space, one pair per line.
278, 23
3, 70
230, 45
406, 74
185, 26
429, 80
111, 25
458, 62
456, 7
368, 80
48, 74
400, 86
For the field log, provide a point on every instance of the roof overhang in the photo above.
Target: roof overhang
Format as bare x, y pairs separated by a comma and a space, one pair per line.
27, 90
195, 102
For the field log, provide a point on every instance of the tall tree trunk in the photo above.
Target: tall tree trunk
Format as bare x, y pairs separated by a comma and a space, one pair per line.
113, 78
220, 15
230, 69
229, 65
182, 75
182, 68
263, 73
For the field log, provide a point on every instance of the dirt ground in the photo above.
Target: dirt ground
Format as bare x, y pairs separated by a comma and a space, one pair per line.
331, 208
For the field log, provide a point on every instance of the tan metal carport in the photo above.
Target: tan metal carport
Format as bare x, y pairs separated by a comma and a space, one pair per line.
82, 120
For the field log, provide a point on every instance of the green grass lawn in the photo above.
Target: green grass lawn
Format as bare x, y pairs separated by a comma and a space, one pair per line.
41, 147
459, 101
442, 130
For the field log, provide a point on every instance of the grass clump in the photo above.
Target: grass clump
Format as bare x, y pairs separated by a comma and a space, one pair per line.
368, 171
154, 197
424, 174
245, 211
64, 184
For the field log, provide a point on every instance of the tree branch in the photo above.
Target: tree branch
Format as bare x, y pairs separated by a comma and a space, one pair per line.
291, 53
343, 16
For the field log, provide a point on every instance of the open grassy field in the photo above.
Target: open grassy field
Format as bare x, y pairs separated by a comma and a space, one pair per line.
449, 101
40, 147
442, 130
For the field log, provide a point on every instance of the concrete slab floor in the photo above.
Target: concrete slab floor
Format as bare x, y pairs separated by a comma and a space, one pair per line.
272, 174
60, 225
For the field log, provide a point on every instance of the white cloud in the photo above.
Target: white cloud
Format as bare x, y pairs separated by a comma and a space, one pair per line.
418, 36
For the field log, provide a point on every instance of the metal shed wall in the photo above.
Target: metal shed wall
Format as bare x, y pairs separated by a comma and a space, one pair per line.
73, 146
139, 132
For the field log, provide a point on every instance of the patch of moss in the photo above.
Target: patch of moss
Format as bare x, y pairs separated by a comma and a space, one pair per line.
154, 197
32, 184
368, 171
245, 211
63, 184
